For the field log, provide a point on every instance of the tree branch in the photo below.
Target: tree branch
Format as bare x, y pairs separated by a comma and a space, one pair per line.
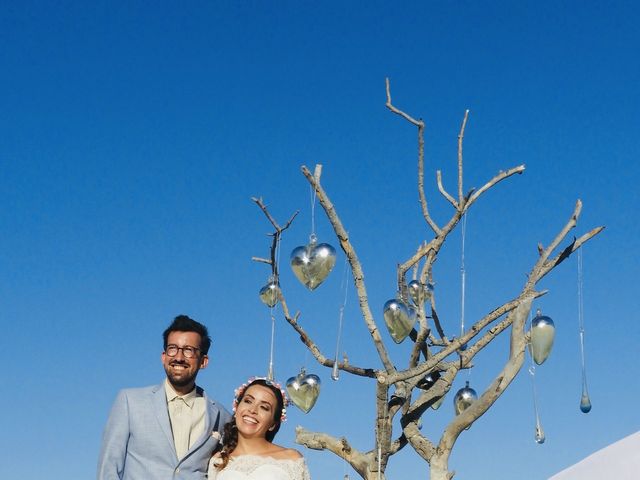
383, 420
398, 444
341, 447
497, 179
262, 260
543, 266
460, 137
427, 366
315, 351
420, 125
276, 236
502, 381
575, 245
417, 123
444, 193
356, 268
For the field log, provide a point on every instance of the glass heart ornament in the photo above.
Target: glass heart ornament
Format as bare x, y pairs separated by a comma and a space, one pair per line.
312, 263
399, 319
464, 398
429, 380
436, 405
304, 390
543, 332
419, 292
270, 293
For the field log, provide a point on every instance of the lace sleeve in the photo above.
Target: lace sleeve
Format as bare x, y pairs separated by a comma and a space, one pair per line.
304, 471
299, 470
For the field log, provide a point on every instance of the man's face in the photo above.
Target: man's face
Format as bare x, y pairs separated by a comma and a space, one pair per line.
182, 371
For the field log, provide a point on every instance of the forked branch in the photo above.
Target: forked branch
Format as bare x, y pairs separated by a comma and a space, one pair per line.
420, 125
276, 236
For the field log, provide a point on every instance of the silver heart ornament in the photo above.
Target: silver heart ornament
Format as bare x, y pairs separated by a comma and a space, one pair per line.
303, 390
312, 263
270, 293
429, 380
464, 398
543, 332
399, 318
419, 292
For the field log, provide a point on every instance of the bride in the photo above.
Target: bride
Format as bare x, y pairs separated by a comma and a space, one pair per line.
259, 408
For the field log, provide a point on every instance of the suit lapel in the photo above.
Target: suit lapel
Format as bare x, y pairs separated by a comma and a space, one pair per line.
159, 399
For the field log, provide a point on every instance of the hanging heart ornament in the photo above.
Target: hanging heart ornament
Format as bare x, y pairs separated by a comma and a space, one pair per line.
419, 292
313, 262
429, 380
543, 332
399, 318
303, 390
270, 293
464, 398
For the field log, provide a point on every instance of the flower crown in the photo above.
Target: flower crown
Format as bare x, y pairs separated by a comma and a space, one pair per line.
240, 390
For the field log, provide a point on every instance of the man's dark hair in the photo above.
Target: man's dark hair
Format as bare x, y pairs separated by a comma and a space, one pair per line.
182, 323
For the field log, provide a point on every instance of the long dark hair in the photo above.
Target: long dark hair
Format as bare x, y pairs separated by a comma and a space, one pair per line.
230, 430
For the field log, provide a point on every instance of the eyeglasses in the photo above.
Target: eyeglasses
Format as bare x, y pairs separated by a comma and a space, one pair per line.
188, 351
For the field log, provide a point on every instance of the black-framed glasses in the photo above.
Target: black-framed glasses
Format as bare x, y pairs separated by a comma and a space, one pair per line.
188, 351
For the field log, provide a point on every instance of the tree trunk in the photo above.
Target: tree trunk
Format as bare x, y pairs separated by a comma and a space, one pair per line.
372, 472
438, 468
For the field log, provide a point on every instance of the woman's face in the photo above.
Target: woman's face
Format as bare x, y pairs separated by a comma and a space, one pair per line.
255, 412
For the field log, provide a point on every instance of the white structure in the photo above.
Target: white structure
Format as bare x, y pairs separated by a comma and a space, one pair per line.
618, 461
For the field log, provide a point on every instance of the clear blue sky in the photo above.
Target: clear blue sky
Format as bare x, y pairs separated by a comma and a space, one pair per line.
133, 134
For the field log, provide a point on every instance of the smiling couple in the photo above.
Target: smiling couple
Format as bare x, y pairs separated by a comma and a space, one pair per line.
175, 431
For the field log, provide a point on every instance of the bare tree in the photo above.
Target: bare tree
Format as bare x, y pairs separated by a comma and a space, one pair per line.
401, 392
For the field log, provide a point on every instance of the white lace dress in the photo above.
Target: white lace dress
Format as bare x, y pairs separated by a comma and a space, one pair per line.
256, 467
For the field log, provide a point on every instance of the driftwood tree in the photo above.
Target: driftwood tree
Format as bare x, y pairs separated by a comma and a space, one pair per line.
401, 393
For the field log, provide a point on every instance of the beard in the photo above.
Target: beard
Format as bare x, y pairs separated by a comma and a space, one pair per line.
181, 378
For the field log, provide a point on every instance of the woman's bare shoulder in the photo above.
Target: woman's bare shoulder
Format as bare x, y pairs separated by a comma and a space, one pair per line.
282, 453
292, 454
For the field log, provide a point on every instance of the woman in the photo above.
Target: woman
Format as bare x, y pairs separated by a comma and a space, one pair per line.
259, 408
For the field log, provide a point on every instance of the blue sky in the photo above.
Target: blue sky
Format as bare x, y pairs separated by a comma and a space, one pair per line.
133, 135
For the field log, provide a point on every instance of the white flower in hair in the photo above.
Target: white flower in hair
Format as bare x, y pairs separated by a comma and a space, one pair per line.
240, 390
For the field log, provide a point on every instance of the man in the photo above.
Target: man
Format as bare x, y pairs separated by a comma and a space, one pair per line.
167, 431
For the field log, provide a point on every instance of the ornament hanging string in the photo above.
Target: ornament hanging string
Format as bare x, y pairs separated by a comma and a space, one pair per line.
312, 237
585, 402
539, 435
312, 194
275, 270
270, 374
344, 286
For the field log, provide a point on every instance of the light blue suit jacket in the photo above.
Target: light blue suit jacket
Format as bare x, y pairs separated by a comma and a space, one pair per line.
138, 443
